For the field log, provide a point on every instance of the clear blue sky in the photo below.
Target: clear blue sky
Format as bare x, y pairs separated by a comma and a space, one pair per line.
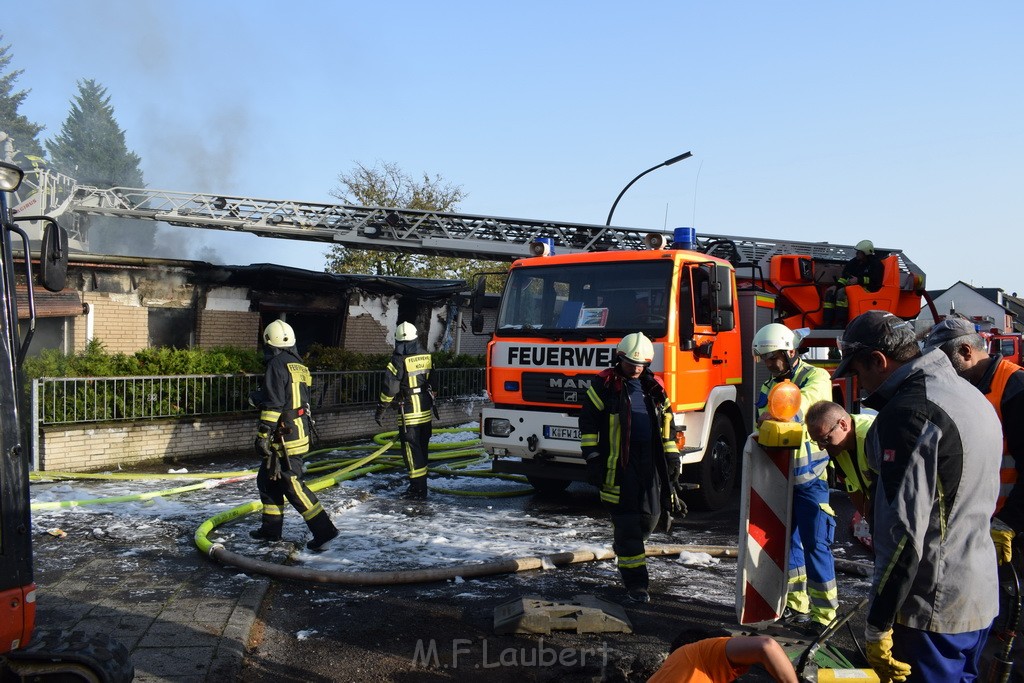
899, 122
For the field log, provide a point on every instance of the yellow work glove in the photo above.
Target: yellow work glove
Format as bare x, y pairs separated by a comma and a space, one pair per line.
1002, 536
879, 651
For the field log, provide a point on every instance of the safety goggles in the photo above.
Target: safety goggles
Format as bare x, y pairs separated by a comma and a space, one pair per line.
853, 348
823, 441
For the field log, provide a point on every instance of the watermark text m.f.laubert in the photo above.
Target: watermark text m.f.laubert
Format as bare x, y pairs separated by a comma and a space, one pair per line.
481, 654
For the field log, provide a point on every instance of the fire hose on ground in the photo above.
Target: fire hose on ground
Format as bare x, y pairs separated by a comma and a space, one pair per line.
460, 453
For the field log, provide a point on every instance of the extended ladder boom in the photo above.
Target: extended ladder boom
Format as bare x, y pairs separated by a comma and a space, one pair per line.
385, 229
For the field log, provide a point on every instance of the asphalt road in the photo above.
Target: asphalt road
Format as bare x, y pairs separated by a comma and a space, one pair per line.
439, 631
446, 631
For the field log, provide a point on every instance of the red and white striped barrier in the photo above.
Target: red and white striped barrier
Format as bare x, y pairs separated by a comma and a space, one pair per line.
762, 568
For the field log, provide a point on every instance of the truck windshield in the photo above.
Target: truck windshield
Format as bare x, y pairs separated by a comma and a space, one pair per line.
588, 299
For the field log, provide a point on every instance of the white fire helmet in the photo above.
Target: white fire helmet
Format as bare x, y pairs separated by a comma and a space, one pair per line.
866, 246
774, 337
405, 332
636, 348
279, 334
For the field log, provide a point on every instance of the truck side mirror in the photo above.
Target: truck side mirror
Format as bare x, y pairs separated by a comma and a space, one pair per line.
721, 285
53, 257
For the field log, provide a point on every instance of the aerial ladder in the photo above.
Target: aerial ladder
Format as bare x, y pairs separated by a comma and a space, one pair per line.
431, 233
796, 272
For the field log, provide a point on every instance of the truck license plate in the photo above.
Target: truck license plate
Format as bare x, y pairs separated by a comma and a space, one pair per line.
564, 433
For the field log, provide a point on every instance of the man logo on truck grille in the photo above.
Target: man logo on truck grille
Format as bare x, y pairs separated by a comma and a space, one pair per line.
569, 382
545, 387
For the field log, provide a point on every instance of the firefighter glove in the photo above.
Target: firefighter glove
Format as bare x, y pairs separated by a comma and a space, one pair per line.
274, 467
378, 414
263, 445
595, 469
675, 469
1002, 536
879, 652
665, 522
678, 507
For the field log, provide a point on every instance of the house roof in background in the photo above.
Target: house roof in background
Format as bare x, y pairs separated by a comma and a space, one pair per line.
273, 276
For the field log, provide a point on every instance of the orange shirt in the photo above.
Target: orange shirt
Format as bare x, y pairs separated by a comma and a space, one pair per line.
700, 662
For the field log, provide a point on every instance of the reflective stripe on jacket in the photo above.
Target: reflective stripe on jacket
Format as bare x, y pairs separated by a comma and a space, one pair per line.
604, 424
407, 378
815, 385
286, 385
857, 475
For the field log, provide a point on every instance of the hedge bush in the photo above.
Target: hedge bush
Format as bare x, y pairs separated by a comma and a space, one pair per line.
94, 361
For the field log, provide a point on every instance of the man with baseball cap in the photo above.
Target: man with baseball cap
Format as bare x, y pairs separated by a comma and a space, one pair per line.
935, 445
1002, 383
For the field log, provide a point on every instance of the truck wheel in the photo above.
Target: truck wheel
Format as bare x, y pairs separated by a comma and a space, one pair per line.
547, 487
61, 655
716, 472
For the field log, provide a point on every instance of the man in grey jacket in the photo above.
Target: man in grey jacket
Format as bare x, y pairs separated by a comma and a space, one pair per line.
936, 445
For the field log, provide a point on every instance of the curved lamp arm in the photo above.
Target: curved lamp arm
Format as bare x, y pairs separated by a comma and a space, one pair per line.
669, 162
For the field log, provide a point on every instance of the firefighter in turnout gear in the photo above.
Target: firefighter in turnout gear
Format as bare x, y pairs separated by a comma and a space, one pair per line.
282, 437
407, 383
628, 436
865, 269
812, 597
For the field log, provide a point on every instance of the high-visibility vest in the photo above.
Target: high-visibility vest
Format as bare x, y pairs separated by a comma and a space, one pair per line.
815, 385
857, 475
1007, 469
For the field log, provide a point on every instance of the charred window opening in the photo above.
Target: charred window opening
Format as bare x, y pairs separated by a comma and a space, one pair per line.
310, 328
172, 327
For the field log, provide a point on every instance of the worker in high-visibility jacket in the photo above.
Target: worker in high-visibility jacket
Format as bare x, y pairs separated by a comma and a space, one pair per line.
407, 382
812, 598
628, 437
842, 435
1002, 383
282, 436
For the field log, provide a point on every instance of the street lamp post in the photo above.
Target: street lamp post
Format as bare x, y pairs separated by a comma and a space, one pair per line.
669, 162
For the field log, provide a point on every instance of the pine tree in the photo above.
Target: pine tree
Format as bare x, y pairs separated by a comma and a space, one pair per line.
91, 148
22, 132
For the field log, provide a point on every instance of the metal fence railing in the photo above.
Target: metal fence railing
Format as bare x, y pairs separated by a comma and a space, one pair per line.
103, 399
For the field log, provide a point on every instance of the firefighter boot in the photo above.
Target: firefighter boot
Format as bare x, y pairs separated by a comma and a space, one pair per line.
323, 530
272, 523
417, 489
265, 534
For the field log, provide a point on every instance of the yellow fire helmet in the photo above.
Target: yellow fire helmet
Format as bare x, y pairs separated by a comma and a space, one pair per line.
866, 246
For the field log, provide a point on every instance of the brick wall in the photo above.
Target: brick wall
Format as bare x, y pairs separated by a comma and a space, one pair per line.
365, 334
105, 446
227, 328
118, 321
